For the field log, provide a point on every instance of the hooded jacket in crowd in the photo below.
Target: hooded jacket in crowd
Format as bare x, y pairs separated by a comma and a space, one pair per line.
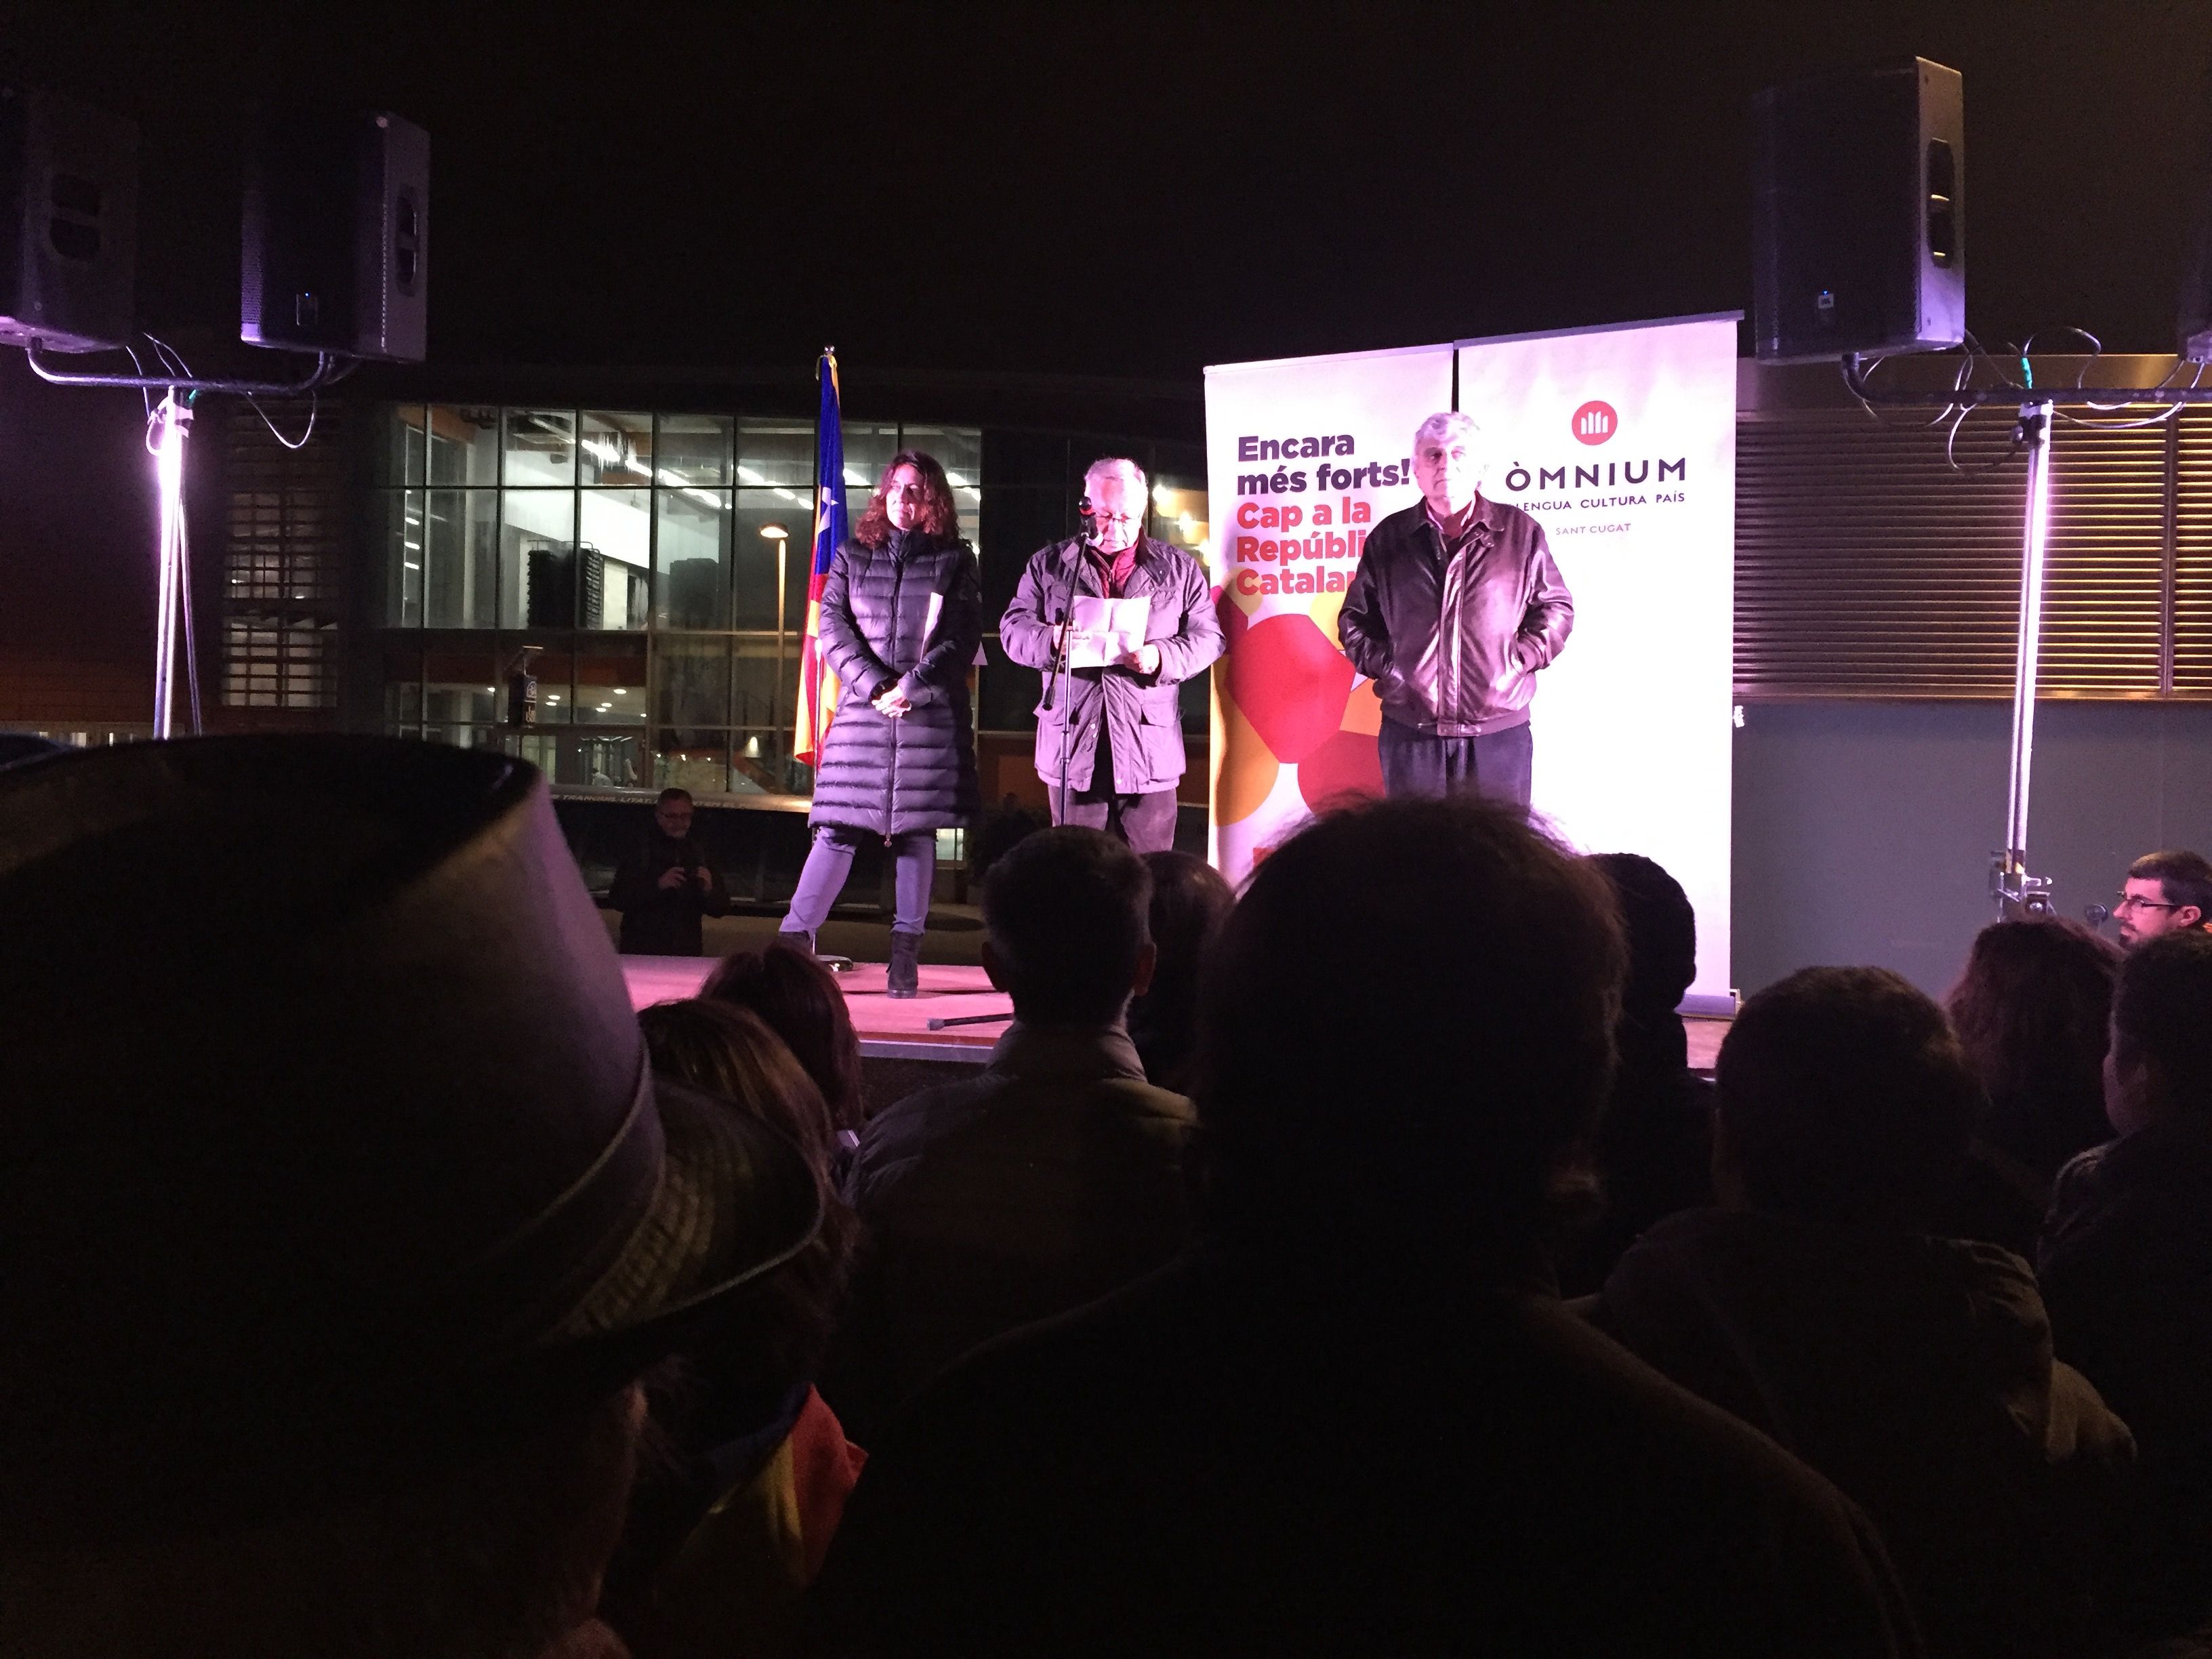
1916, 1374
2126, 1265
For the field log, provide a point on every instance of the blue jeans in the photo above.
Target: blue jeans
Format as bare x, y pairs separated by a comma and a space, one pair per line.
829, 860
1497, 766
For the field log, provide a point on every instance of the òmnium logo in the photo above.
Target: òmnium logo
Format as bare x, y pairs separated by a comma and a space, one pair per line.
1596, 422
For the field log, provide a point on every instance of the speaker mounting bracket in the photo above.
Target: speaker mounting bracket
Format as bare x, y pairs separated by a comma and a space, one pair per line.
328, 365
2005, 395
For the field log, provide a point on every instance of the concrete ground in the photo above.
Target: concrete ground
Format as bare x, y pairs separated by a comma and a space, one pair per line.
955, 936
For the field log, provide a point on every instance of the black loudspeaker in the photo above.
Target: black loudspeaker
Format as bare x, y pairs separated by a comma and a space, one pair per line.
2194, 336
1858, 213
68, 207
336, 237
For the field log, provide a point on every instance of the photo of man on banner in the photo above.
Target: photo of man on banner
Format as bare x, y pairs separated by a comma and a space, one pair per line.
1454, 608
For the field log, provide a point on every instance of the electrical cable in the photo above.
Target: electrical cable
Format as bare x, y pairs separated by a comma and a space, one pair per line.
1966, 368
314, 406
145, 393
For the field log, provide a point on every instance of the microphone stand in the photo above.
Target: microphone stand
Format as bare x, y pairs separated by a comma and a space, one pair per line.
1058, 677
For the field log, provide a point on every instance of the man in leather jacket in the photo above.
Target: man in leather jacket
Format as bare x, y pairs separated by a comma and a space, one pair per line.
1455, 607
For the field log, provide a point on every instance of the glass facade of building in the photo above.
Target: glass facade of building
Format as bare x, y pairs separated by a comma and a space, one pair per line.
653, 566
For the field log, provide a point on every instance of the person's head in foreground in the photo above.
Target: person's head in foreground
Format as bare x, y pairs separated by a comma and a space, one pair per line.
729, 1052
1842, 1097
355, 1209
1408, 1028
2031, 1009
1065, 929
2158, 1068
798, 999
1661, 929
1191, 900
2168, 892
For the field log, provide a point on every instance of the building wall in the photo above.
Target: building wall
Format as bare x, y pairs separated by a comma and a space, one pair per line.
1864, 829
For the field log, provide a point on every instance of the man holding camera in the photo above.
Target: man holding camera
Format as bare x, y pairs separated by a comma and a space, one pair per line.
666, 886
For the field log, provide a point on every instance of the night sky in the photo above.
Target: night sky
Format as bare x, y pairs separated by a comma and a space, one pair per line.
1130, 191
1062, 189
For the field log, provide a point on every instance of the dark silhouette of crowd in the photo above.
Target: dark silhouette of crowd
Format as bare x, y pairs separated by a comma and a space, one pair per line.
1354, 1264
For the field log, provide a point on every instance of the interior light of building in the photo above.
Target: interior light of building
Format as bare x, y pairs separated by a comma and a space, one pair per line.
773, 532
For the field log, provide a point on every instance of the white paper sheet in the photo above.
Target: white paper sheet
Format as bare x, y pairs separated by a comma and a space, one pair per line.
1101, 632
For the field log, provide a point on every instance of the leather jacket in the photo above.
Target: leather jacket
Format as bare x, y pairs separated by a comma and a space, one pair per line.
1454, 649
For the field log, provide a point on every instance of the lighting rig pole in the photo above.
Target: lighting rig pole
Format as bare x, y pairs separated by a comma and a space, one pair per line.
2013, 889
166, 433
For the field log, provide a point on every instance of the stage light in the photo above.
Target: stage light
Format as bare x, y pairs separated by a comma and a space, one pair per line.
173, 611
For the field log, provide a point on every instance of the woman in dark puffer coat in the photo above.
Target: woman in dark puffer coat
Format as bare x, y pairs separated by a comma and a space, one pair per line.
902, 616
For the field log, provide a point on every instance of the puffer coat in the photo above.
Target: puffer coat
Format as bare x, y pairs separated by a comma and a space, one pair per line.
909, 613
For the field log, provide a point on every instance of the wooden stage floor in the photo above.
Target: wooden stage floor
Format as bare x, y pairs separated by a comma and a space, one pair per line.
900, 1030
888, 1029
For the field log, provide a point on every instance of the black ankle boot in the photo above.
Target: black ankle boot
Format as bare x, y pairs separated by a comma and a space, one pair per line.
904, 977
793, 940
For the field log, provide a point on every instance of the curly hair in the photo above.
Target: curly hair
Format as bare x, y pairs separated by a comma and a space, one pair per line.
940, 516
780, 1336
2031, 1011
797, 1000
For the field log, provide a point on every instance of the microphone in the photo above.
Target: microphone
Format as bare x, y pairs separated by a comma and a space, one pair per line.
1089, 516
2097, 914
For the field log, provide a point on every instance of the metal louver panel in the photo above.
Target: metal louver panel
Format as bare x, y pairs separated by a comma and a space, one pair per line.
2193, 586
1866, 566
284, 558
2104, 595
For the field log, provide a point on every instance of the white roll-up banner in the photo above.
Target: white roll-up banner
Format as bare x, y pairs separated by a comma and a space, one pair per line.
1621, 442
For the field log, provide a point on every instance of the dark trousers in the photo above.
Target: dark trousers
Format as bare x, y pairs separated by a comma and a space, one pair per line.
1146, 822
1497, 766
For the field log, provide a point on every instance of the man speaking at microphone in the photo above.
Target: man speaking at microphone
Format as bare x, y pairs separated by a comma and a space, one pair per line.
1110, 725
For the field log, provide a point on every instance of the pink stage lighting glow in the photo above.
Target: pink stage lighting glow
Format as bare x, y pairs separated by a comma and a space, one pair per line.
166, 430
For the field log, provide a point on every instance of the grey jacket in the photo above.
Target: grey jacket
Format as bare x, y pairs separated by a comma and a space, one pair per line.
1454, 650
1144, 719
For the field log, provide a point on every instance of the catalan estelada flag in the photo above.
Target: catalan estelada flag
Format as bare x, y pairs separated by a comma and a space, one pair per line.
817, 686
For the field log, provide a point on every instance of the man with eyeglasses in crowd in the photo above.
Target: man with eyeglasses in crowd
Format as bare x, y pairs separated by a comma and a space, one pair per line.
2168, 892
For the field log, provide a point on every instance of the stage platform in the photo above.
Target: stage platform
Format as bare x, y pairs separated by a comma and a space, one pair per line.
899, 1031
889, 1030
